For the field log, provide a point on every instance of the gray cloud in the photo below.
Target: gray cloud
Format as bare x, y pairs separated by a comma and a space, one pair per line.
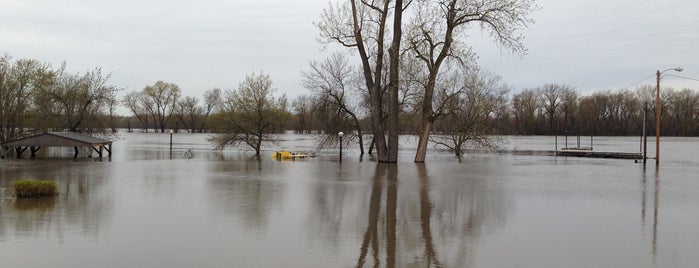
591, 44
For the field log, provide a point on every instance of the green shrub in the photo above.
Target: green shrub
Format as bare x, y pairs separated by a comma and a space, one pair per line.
34, 188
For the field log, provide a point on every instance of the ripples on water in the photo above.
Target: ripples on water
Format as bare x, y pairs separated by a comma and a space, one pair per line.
147, 207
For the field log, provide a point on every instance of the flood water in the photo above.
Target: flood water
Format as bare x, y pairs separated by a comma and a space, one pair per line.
145, 207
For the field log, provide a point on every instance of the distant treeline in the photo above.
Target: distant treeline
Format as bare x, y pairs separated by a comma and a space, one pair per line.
555, 109
36, 97
547, 110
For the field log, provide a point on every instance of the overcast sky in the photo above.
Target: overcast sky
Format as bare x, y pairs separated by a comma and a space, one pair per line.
589, 44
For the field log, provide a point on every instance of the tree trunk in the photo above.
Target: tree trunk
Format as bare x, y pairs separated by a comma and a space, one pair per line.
361, 142
394, 81
377, 125
372, 77
422, 143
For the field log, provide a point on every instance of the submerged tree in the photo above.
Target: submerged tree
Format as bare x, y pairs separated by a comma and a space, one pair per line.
467, 112
212, 100
135, 102
188, 112
160, 102
18, 82
75, 102
436, 34
364, 26
334, 87
250, 115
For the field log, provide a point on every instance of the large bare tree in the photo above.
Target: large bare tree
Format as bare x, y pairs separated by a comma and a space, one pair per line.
436, 34
364, 26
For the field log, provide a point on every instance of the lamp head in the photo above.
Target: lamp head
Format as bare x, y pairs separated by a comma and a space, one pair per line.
340, 134
678, 69
171, 131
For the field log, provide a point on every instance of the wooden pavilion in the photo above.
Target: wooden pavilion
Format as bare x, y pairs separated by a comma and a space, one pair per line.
58, 139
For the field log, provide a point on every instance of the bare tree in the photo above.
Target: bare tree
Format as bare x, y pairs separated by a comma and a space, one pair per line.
134, 102
189, 112
683, 110
525, 107
467, 113
301, 107
332, 82
250, 115
363, 26
552, 97
212, 99
161, 101
434, 39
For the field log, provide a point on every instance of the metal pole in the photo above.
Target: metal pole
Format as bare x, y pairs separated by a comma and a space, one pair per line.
657, 119
645, 136
340, 148
170, 141
340, 135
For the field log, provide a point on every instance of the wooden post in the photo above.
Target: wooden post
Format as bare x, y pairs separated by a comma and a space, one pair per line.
34, 150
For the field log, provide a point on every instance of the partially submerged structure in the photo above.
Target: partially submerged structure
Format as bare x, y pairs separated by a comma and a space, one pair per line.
58, 139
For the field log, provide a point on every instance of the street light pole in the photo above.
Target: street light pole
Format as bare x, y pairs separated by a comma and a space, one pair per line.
340, 134
657, 112
171, 141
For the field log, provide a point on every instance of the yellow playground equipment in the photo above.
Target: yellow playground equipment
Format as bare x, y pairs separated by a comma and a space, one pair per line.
286, 155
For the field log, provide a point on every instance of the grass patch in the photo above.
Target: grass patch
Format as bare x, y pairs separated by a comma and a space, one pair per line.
34, 188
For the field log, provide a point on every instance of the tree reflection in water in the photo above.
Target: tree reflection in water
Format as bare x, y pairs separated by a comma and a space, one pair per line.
371, 235
449, 222
426, 217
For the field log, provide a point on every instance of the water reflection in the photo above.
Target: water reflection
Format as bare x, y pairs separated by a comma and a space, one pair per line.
35, 204
655, 212
237, 191
409, 224
223, 209
83, 203
370, 243
431, 256
656, 209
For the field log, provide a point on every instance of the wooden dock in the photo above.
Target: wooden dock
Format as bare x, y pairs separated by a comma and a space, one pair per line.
592, 154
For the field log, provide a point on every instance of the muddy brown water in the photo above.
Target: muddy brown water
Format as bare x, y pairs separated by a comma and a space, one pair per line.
145, 207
